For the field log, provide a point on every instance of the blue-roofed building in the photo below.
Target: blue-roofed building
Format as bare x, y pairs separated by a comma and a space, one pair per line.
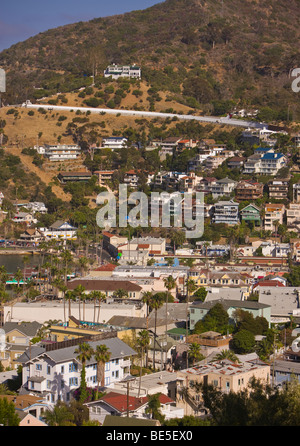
263, 150
271, 163
264, 162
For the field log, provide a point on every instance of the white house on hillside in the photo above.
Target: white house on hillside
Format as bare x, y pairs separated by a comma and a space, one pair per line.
56, 374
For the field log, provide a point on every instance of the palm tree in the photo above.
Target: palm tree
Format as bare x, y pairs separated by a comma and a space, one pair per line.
155, 303
70, 296
85, 353
190, 288
146, 298
102, 355
170, 284
120, 294
154, 407
83, 263
67, 260
227, 354
79, 292
143, 341
194, 352
97, 296
59, 415
18, 277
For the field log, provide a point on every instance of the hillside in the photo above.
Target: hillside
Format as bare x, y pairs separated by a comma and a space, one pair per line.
210, 55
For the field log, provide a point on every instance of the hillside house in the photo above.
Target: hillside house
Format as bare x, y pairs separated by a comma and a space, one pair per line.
116, 71
248, 190
226, 375
59, 152
273, 213
81, 177
223, 187
251, 214
118, 404
226, 212
54, 372
279, 188
60, 230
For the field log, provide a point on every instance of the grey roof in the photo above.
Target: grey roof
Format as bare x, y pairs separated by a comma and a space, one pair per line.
283, 300
176, 312
27, 328
287, 366
230, 303
112, 420
116, 346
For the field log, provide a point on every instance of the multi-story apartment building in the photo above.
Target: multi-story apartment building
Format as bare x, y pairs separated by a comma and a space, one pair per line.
60, 152
278, 188
116, 71
114, 142
296, 192
271, 163
252, 164
212, 162
223, 187
268, 163
226, 212
225, 375
54, 371
60, 230
293, 214
273, 213
248, 190
251, 213
104, 176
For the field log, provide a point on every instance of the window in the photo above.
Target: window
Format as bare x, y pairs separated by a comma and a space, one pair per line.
38, 366
62, 369
73, 381
107, 366
73, 367
48, 369
48, 384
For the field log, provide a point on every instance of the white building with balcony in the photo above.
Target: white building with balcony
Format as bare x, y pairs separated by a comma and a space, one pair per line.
226, 212
56, 373
115, 71
59, 152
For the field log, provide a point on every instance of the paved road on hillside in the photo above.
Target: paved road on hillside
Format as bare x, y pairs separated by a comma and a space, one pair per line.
209, 119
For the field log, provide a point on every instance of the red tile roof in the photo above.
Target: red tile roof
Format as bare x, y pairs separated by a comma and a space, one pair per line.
269, 283
119, 401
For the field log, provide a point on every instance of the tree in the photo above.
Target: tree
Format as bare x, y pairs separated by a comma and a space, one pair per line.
216, 319
200, 294
8, 416
194, 353
120, 294
190, 288
79, 292
153, 407
59, 415
227, 354
155, 303
243, 342
143, 342
170, 284
146, 298
85, 353
102, 355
